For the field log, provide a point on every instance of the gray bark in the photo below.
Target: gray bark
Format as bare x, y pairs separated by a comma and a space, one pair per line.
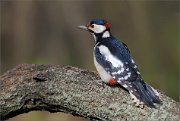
72, 90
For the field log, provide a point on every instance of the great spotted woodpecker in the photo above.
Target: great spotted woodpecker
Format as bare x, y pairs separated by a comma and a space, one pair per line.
115, 65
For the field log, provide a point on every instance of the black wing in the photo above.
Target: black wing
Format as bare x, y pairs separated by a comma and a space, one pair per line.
126, 47
127, 75
125, 72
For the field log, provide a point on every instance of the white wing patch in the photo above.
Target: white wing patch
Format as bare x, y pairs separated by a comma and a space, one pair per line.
125, 85
135, 66
132, 61
129, 75
109, 57
125, 77
118, 72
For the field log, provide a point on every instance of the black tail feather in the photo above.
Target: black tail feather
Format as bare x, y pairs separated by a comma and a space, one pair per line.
152, 94
145, 93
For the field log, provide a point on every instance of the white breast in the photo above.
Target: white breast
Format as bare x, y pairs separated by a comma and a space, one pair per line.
103, 74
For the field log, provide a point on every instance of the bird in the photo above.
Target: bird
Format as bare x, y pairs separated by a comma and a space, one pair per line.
115, 64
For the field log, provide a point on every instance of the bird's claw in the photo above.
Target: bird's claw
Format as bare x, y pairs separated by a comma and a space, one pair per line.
137, 102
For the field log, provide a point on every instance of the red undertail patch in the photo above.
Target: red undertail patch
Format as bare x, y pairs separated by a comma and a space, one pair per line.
112, 82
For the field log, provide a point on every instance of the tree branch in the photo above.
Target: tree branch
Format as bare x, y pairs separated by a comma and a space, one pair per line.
75, 91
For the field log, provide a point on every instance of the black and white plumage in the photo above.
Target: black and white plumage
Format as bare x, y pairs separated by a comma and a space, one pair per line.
113, 61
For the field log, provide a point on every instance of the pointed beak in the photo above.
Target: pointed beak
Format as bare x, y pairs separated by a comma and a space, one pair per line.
83, 27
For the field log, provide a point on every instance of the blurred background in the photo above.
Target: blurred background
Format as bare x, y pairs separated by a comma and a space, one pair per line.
45, 32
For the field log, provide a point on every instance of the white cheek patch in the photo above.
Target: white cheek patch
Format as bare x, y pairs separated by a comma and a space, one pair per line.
98, 28
106, 34
109, 57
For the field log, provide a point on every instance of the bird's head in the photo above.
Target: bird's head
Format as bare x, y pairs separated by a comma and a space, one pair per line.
97, 27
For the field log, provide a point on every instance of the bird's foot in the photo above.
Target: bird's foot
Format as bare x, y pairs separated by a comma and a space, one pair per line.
156, 92
137, 102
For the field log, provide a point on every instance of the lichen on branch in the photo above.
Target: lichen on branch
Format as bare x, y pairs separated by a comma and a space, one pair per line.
68, 89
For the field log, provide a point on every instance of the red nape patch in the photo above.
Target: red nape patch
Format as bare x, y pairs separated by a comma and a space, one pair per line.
107, 25
112, 82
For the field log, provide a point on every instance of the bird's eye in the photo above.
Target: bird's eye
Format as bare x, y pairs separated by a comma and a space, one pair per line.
92, 26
